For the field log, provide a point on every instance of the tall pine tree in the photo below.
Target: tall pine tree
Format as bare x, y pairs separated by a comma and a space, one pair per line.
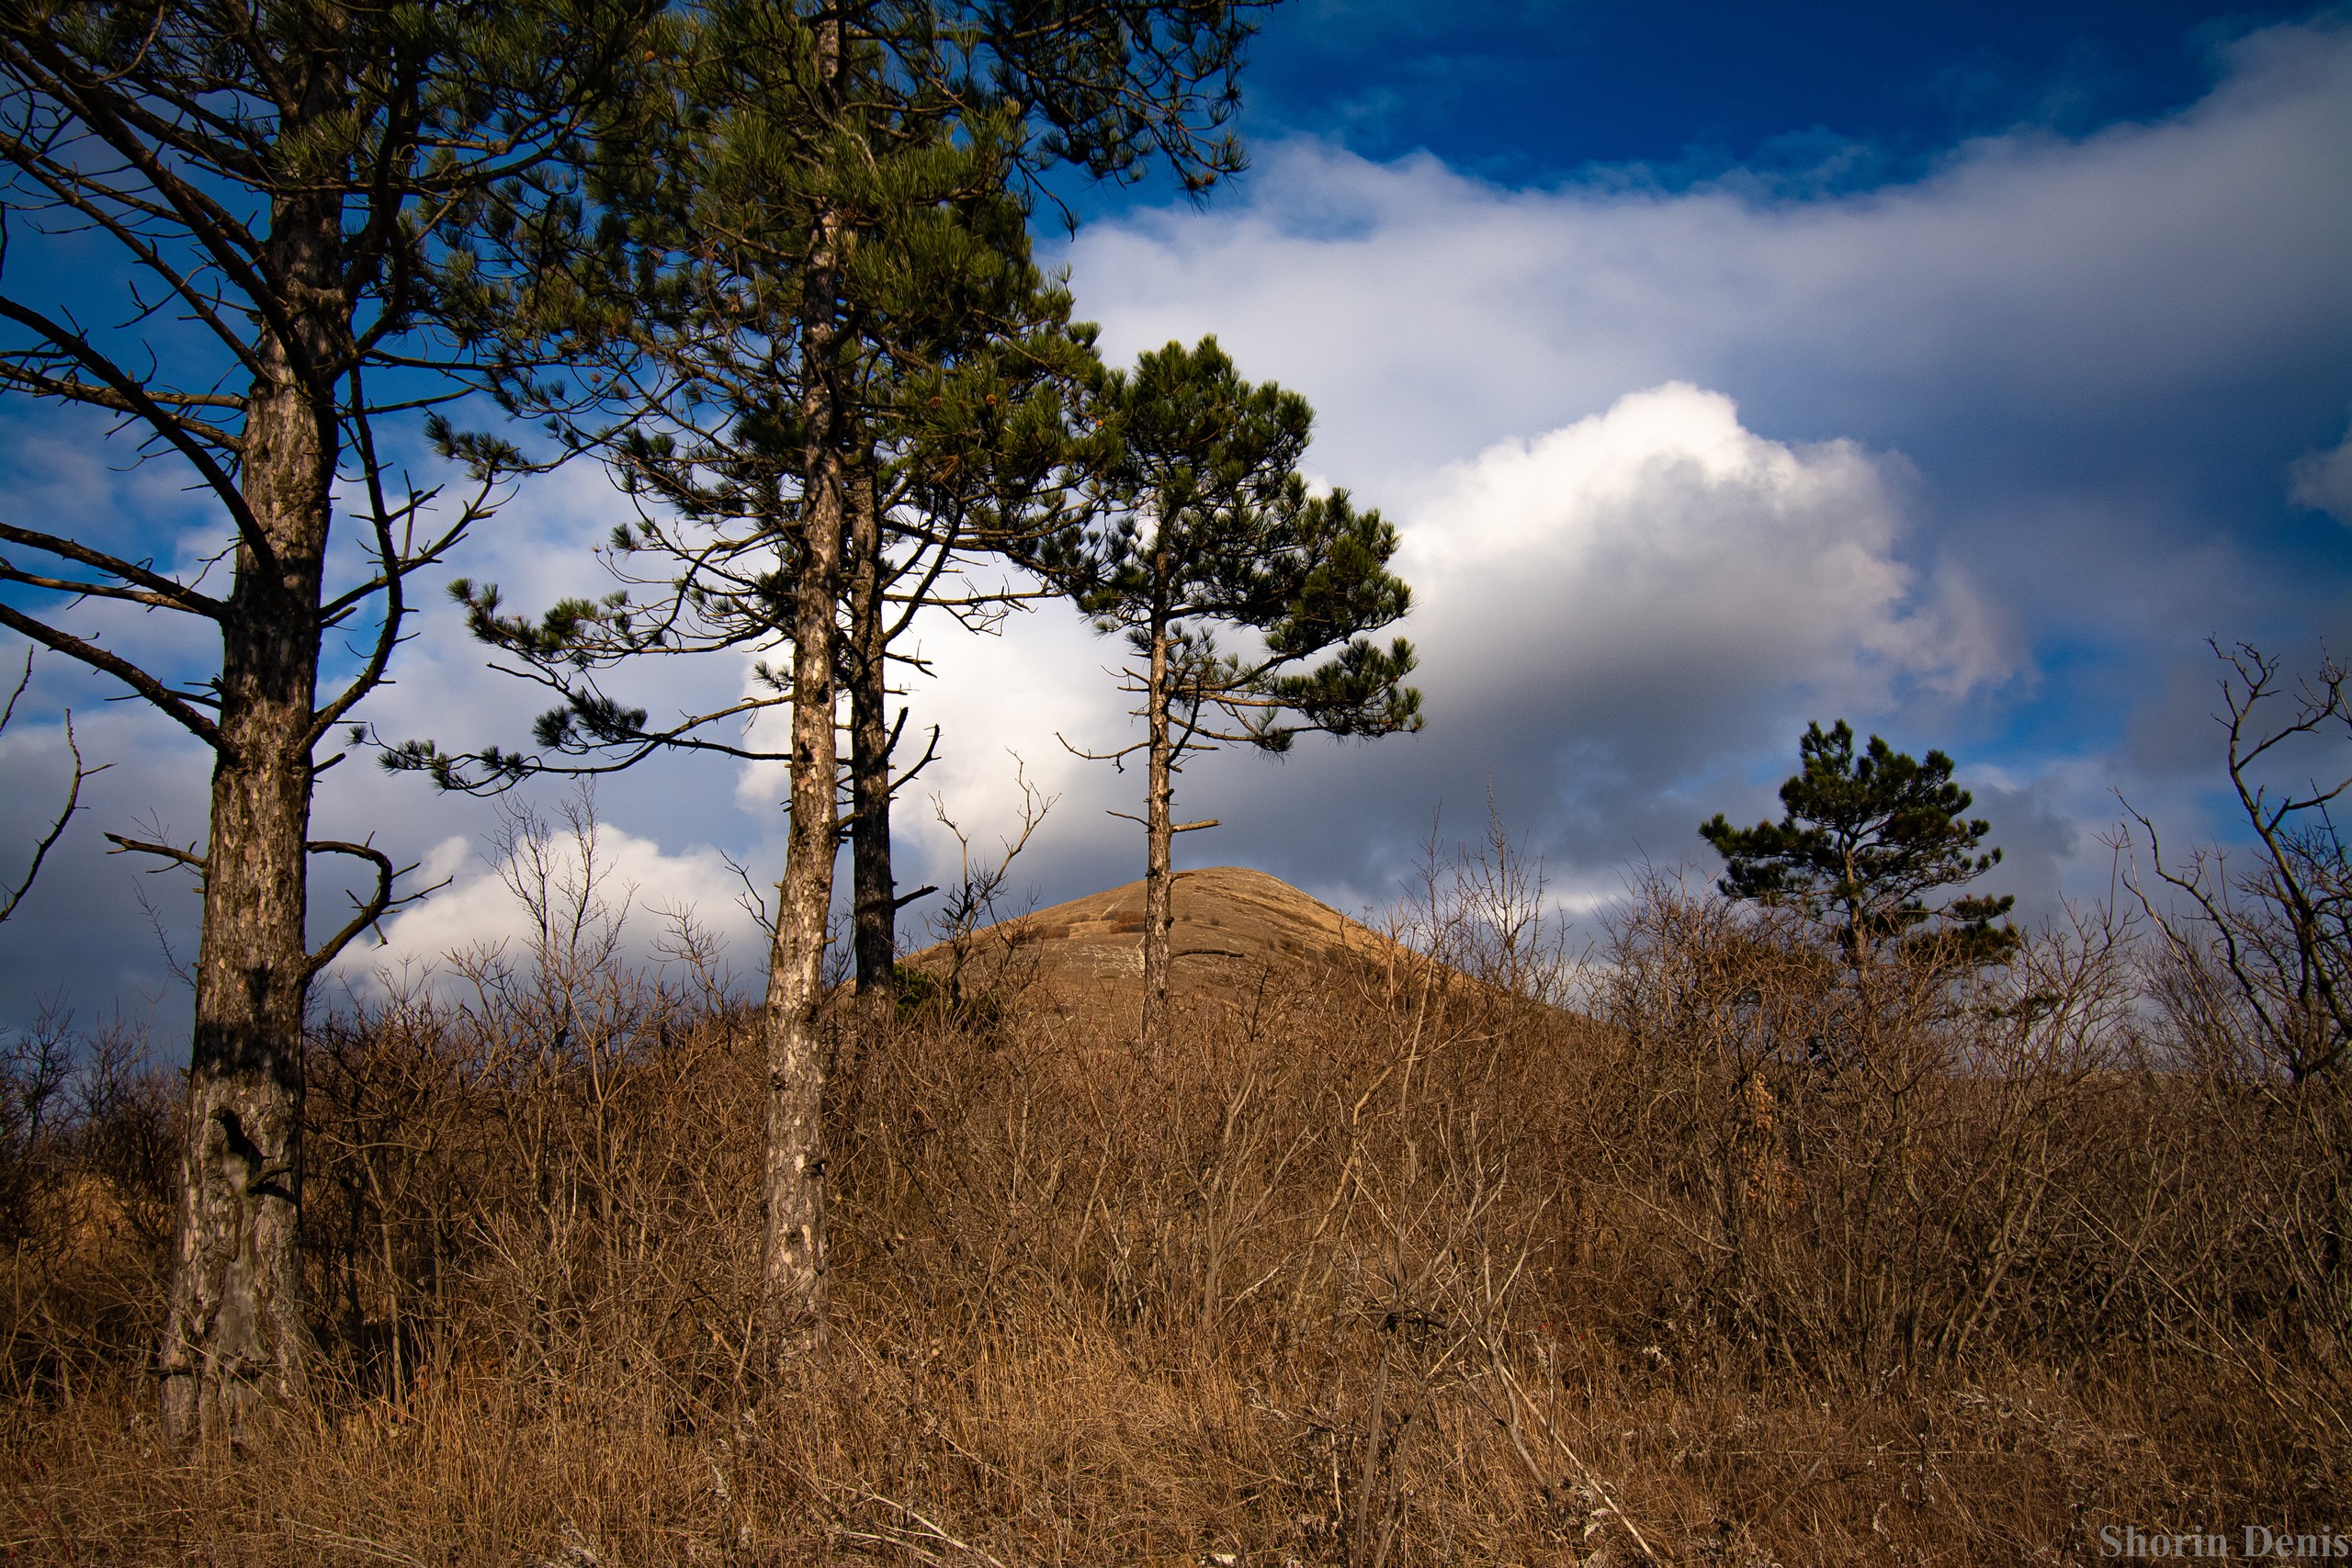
1200, 521
295, 191
834, 355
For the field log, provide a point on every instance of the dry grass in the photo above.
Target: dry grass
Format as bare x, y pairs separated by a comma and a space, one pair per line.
1742, 1263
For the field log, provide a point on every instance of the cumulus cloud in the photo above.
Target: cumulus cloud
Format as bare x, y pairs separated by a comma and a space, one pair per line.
1661, 541
2008, 374
1603, 612
2040, 317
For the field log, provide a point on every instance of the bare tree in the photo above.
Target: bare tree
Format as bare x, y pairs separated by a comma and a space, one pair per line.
2267, 949
971, 906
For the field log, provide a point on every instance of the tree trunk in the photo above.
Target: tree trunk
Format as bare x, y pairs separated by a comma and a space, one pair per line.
1158, 881
793, 1250
236, 1335
875, 889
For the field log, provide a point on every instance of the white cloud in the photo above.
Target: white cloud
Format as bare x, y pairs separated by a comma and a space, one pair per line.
2042, 290
1978, 416
539, 886
1599, 612
1661, 534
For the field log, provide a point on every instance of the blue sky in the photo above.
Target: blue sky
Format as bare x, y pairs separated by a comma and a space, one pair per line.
1534, 92
1956, 370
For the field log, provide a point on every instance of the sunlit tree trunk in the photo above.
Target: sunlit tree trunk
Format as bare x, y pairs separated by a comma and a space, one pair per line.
793, 1256
1158, 881
236, 1334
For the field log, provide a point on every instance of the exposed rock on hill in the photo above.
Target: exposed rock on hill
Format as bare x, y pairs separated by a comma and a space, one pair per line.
1237, 933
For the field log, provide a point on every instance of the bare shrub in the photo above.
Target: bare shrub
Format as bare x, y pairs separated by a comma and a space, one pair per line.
88, 1170
2251, 974
549, 1158
1856, 1171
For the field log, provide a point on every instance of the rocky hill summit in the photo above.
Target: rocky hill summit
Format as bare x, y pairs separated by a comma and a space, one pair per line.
1239, 934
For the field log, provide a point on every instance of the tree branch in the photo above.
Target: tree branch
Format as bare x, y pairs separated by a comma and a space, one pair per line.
73, 795
166, 592
162, 851
372, 908
121, 669
78, 346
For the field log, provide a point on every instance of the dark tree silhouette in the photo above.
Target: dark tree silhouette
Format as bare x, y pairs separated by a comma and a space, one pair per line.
12, 898
2262, 952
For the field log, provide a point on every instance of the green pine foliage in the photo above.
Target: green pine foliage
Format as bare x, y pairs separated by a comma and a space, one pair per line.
698, 322
884, 219
1200, 519
1865, 841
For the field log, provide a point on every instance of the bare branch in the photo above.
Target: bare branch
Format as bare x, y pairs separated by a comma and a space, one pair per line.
2277, 932
370, 909
73, 795
121, 669
78, 346
161, 852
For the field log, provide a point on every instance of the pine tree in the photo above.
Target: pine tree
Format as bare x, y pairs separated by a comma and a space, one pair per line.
837, 364
295, 191
1864, 841
771, 296
1200, 520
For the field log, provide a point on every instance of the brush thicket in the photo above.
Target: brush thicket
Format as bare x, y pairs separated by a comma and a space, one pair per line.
1703, 1247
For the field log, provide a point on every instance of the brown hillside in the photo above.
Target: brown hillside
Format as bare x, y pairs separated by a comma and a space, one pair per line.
1238, 932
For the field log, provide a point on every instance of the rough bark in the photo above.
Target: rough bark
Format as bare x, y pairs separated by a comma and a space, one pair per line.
793, 1251
875, 888
236, 1335
1158, 883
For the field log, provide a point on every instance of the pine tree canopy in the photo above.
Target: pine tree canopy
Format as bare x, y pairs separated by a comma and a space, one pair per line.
1206, 521
1864, 841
